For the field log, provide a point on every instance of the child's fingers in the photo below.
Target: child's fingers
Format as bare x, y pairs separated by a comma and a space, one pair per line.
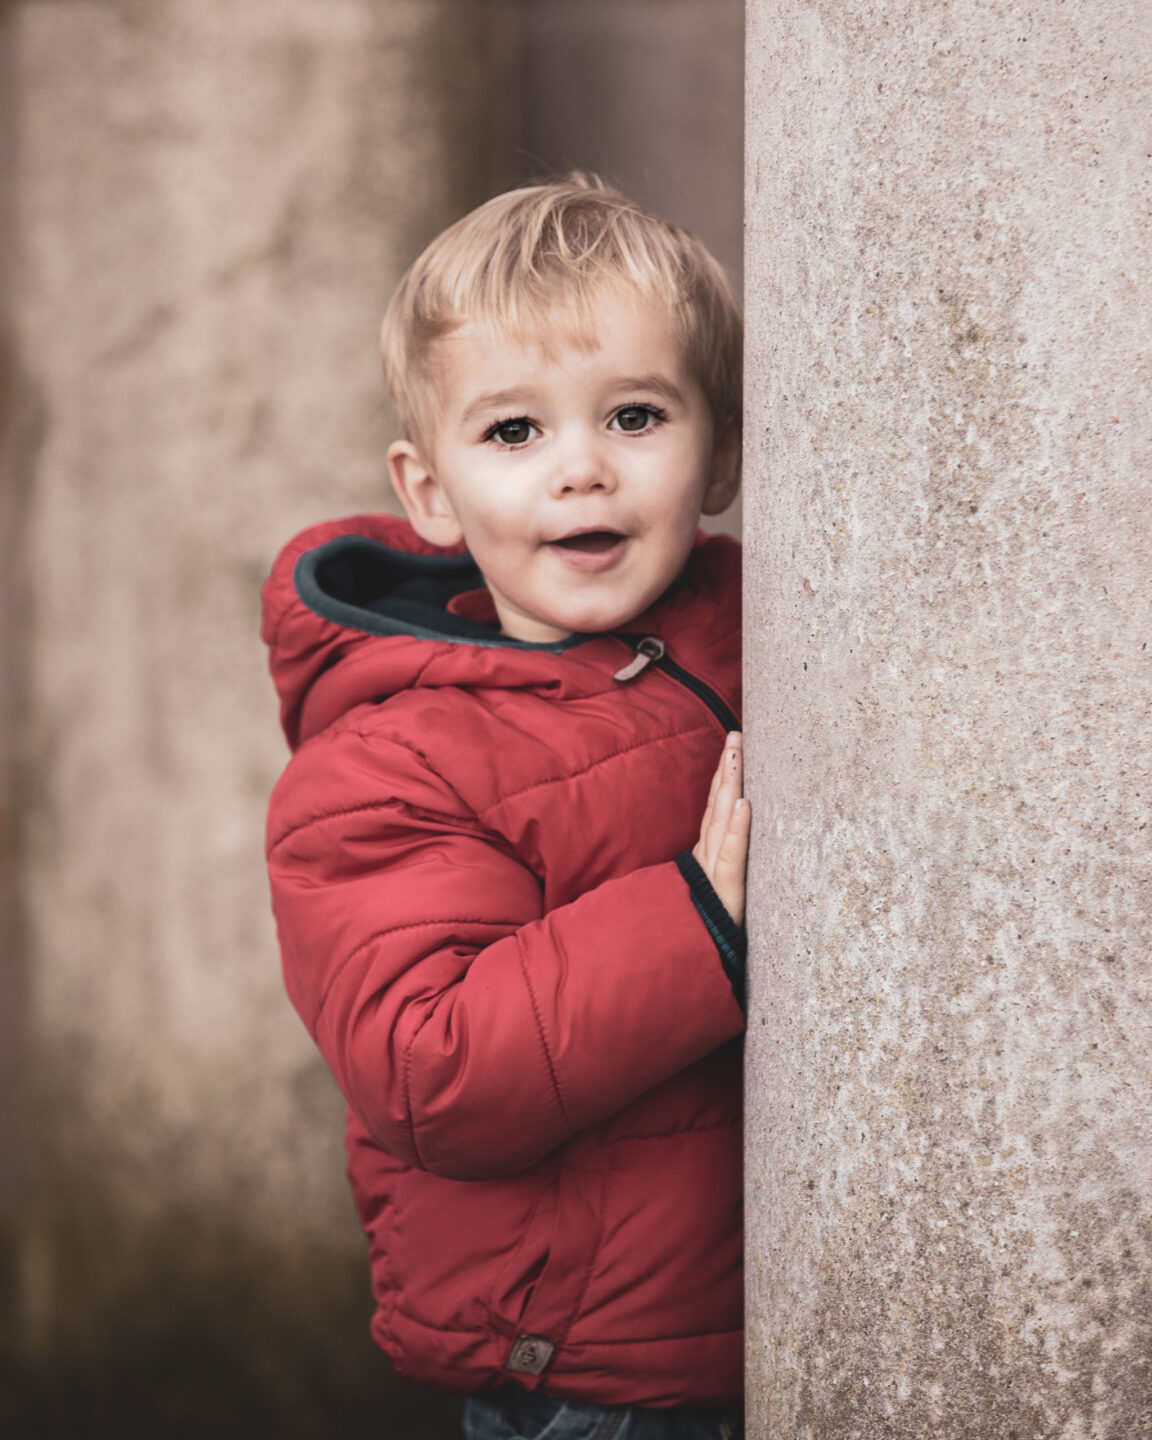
731, 863
733, 851
731, 786
727, 784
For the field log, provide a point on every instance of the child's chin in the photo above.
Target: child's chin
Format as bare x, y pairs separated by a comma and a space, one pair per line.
600, 621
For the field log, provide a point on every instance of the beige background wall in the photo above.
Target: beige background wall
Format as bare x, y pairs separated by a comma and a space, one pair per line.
211, 202
205, 204
950, 694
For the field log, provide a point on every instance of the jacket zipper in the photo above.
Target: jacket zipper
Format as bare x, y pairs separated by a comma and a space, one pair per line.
650, 651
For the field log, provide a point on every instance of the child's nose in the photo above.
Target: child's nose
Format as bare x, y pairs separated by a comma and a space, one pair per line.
582, 467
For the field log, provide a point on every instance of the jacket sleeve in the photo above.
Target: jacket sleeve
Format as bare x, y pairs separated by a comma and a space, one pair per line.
470, 1032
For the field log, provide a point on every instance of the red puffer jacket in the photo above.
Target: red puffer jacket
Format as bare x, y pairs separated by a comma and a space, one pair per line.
522, 995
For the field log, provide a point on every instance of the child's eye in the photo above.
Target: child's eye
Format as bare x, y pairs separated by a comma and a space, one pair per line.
511, 432
634, 418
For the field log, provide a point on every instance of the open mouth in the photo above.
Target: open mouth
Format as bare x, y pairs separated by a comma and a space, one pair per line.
592, 542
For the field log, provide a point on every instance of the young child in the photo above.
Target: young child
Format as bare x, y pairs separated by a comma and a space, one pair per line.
502, 919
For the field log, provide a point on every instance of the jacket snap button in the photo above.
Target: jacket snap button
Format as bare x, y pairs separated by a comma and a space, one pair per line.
530, 1355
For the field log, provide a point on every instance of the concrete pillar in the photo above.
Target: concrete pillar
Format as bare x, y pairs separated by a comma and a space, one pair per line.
950, 692
211, 201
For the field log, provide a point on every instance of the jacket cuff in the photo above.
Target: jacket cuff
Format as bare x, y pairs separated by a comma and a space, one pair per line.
731, 939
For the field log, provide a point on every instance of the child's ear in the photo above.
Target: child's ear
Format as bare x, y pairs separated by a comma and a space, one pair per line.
727, 463
424, 499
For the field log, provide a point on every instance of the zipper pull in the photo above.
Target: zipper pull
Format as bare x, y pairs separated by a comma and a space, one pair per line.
647, 650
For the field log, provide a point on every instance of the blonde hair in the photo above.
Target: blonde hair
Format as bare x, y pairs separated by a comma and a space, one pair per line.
515, 260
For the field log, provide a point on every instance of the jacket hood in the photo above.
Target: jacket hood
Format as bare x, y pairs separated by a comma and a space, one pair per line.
359, 609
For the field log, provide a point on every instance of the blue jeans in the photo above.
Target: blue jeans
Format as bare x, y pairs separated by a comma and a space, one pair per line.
523, 1415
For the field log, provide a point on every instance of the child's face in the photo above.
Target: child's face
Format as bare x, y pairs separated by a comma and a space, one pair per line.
576, 478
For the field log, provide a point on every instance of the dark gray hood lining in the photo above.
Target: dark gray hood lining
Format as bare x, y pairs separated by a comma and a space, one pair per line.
364, 585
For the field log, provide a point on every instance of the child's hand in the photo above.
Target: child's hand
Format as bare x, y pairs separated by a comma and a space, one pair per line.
722, 850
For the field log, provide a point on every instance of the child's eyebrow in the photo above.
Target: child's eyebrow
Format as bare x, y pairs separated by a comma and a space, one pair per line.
494, 400
652, 382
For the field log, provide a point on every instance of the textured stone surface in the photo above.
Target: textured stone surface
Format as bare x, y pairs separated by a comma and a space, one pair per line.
949, 283
212, 201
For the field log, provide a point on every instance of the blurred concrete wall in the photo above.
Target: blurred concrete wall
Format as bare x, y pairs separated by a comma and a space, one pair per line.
949, 669
204, 205
209, 204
